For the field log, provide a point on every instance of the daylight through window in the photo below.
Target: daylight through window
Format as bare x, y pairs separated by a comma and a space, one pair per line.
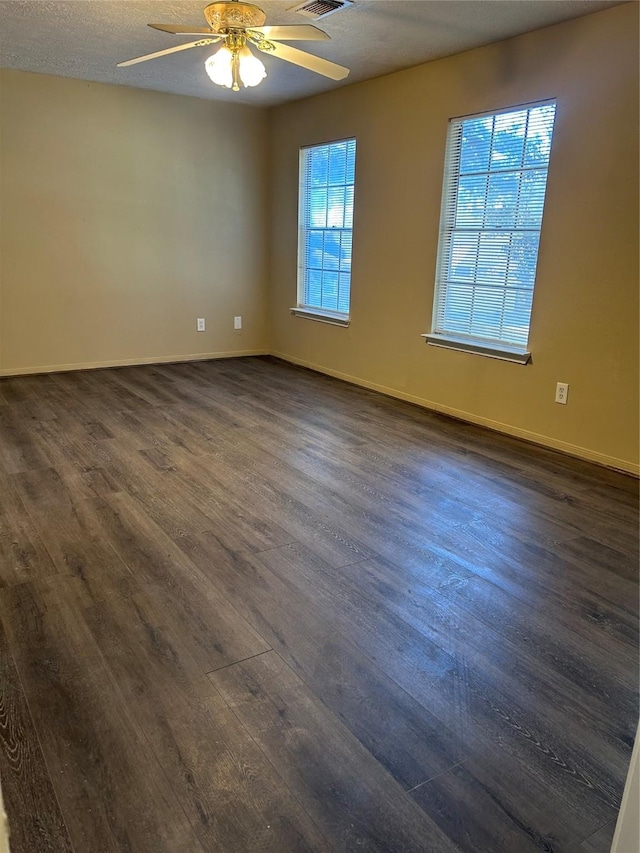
493, 198
327, 174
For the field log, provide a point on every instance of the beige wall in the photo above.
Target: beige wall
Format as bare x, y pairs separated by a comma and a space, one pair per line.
585, 316
126, 214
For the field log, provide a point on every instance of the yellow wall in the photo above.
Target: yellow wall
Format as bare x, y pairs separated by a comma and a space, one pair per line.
585, 317
126, 214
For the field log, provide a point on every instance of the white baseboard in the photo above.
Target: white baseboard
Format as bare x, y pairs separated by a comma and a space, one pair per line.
128, 362
534, 437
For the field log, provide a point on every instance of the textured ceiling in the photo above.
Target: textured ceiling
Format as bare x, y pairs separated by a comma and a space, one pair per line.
86, 38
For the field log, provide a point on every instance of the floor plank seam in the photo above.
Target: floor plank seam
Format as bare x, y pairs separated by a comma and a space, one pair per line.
138, 727
236, 662
596, 831
270, 548
383, 771
541, 720
266, 757
171, 784
436, 775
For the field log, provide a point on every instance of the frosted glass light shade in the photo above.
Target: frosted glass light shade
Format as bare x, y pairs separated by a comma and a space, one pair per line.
218, 67
252, 71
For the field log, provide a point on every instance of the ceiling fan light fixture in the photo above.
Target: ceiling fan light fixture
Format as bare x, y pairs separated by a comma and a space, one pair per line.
230, 65
235, 24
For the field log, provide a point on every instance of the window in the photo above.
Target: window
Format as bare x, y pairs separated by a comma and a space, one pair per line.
493, 197
325, 224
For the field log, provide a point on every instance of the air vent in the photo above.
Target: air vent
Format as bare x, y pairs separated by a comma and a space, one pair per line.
315, 9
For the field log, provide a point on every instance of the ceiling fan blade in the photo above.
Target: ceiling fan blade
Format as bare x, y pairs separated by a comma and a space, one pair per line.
179, 47
184, 31
306, 32
306, 60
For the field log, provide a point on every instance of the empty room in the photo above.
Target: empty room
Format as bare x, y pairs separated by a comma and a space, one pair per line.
319, 426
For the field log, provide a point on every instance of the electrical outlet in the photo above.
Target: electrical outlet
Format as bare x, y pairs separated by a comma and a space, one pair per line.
237, 322
562, 392
200, 324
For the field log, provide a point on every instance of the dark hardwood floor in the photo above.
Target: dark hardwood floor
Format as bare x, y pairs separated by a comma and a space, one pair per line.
245, 607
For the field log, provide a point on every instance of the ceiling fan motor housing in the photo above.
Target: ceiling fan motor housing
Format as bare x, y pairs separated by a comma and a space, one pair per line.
233, 15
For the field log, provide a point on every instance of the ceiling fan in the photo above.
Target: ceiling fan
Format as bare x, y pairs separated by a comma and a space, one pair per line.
238, 24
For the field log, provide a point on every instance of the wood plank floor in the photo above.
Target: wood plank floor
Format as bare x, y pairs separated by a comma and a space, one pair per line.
246, 607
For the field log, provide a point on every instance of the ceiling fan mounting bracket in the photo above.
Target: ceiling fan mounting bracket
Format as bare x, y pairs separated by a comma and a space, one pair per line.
233, 15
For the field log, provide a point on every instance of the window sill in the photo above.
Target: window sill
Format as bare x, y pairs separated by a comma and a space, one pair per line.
332, 317
499, 351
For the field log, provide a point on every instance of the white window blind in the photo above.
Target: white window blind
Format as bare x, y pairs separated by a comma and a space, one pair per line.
493, 197
327, 177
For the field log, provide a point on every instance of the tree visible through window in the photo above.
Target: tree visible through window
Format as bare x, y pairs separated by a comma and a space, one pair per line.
327, 176
493, 198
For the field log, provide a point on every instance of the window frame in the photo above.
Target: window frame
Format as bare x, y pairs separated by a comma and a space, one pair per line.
508, 350
302, 308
